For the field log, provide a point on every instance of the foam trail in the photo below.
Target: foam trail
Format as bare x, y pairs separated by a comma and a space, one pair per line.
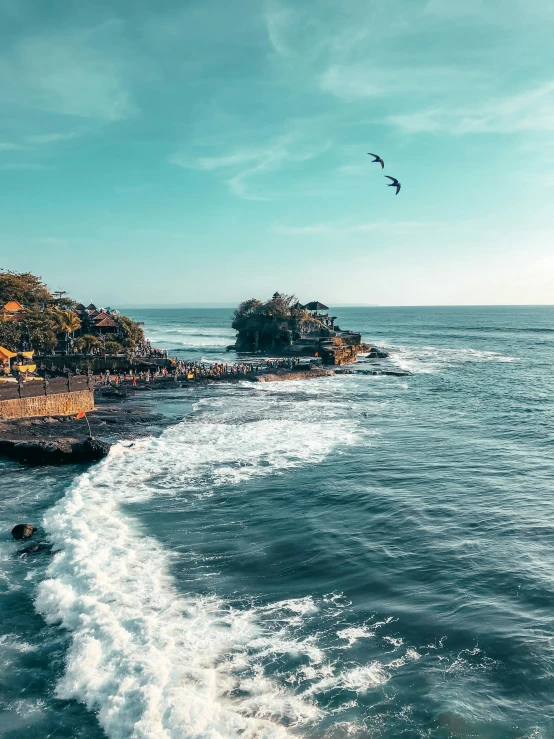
431, 359
151, 663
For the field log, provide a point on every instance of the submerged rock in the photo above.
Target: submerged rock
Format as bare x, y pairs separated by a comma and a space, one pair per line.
23, 531
35, 548
55, 451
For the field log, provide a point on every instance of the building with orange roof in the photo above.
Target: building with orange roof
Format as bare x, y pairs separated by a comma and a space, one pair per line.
12, 306
12, 311
5, 358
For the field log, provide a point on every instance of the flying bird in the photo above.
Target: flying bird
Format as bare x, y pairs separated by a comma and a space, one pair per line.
377, 159
394, 183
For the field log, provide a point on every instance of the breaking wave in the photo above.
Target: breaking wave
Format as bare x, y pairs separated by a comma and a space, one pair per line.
431, 359
152, 662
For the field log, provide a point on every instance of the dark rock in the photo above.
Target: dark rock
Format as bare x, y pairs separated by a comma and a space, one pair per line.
116, 394
23, 531
34, 548
377, 354
54, 451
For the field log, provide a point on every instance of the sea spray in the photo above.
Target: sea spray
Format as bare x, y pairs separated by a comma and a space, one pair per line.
150, 662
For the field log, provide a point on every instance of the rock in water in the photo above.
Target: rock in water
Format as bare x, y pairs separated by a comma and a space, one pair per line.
35, 548
55, 451
23, 531
377, 353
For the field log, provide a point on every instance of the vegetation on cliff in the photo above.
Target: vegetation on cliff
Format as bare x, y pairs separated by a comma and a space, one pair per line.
273, 324
45, 321
283, 326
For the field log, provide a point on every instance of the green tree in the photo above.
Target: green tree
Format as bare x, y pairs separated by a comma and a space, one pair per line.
247, 312
68, 322
11, 335
112, 347
87, 343
27, 289
129, 333
41, 329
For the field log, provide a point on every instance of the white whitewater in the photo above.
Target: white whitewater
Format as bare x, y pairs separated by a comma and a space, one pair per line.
152, 663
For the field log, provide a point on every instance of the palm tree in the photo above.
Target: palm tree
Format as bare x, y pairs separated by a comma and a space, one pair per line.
68, 322
88, 342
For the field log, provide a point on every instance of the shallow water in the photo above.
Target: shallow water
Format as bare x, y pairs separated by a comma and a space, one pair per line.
358, 556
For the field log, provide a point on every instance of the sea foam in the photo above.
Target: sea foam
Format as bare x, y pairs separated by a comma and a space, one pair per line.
150, 662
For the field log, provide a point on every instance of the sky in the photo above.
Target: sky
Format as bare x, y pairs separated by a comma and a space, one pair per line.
209, 151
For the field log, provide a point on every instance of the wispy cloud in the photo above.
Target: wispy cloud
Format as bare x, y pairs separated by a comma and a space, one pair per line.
10, 146
358, 81
334, 229
278, 19
353, 170
24, 166
236, 158
72, 74
532, 110
52, 138
244, 168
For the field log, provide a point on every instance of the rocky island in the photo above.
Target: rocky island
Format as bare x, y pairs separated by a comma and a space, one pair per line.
66, 369
283, 327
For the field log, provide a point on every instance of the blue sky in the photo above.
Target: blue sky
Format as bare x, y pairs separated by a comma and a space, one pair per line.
208, 151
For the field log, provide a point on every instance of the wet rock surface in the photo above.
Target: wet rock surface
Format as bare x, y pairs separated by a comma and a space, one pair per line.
65, 440
23, 531
35, 549
301, 375
375, 353
54, 451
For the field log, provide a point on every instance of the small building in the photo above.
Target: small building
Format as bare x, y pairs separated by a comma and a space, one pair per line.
24, 362
315, 308
12, 306
12, 309
5, 358
105, 324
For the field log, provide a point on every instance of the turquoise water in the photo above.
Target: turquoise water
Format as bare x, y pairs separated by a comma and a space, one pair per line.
358, 556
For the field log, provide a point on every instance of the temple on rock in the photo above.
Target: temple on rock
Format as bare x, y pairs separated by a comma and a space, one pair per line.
283, 327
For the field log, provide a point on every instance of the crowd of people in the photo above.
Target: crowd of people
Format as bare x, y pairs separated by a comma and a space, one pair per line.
187, 370
145, 349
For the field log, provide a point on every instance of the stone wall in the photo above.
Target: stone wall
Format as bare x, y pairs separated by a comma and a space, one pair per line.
58, 404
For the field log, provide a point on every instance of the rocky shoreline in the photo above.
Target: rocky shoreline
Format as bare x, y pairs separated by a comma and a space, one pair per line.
55, 440
66, 440
58, 440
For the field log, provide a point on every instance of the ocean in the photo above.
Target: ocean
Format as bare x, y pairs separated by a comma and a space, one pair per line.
356, 556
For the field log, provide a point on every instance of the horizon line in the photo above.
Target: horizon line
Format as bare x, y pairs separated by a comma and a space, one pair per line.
167, 306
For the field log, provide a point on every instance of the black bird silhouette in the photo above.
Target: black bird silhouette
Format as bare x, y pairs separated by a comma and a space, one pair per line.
394, 183
377, 159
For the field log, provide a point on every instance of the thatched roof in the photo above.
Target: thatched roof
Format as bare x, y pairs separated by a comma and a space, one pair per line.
316, 305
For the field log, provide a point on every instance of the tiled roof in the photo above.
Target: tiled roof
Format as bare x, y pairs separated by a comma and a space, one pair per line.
106, 322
